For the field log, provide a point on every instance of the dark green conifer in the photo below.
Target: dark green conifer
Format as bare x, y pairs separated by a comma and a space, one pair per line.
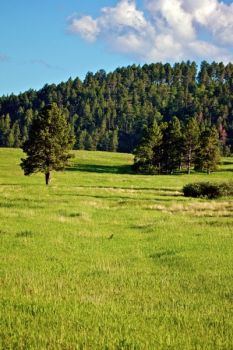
190, 142
172, 150
49, 141
208, 155
148, 153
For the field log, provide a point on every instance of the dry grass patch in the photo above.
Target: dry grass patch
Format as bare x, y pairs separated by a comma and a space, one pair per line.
220, 209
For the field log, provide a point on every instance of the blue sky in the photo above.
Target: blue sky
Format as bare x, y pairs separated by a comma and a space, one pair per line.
48, 41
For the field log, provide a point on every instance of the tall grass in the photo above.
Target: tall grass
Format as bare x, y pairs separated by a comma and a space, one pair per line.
104, 259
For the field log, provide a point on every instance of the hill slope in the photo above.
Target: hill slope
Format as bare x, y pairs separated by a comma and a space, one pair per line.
109, 111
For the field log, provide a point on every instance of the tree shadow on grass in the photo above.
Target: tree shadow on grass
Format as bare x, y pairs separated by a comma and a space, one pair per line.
96, 168
114, 169
224, 170
227, 162
124, 198
132, 188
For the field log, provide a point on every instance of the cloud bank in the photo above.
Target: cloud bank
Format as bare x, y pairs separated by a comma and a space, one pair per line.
164, 30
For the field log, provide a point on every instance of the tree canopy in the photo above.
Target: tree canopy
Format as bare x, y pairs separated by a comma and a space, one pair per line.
171, 147
208, 153
109, 111
48, 144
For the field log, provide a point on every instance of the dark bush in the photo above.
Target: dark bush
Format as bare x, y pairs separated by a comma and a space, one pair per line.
226, 188
208, 190
192, 190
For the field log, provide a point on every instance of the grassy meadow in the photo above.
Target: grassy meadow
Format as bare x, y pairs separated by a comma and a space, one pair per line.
105, 259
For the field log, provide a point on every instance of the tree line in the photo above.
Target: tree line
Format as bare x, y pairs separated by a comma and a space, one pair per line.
166, 148
111, 111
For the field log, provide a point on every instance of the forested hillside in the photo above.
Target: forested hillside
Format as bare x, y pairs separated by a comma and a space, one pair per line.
110, 111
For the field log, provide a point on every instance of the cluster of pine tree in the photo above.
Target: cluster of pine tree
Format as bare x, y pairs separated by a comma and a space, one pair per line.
110, 111
174, 146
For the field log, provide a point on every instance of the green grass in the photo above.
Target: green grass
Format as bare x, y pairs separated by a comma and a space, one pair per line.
104, 259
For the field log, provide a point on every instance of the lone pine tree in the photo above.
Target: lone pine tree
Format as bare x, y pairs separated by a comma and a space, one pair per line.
49, 141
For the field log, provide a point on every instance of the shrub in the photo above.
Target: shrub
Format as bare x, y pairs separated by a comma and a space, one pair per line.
208, 190
227, 188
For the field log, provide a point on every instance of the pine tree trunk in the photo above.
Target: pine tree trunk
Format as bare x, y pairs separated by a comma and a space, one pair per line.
189, 161
189, 168
47, 178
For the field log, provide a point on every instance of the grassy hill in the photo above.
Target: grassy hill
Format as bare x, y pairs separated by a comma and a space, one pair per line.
104, 259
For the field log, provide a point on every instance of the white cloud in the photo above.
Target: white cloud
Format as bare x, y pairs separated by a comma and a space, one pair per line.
200, 10
167, 30
86, 26
205, 50
125, 14
173, 16
220, 22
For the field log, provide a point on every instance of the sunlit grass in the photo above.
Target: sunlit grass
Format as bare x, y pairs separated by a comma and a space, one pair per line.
105, 259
